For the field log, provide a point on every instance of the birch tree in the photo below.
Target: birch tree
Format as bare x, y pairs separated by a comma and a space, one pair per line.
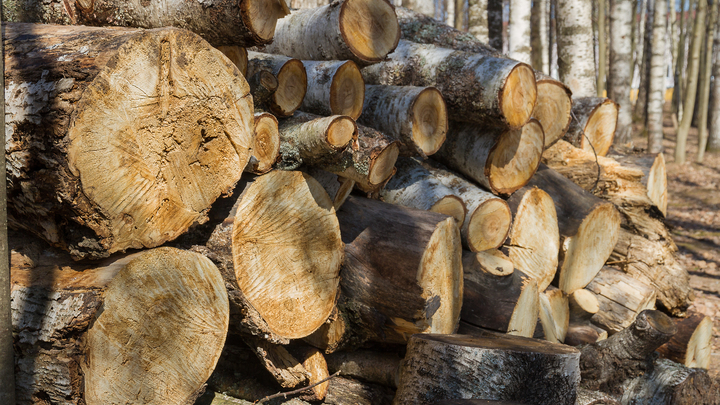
714, 133
704, 87
656, 85
576, 59
495, 23
620, 74
519, 30
540, 27
478, 20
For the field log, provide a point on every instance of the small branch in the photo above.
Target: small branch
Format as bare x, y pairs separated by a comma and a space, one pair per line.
297, 391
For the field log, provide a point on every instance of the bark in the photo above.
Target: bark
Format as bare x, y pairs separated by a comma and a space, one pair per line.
457, 366
334, 88
364, 31
475, 402
594, 123
506, 302
620, 297
416, 116
587, 397
71, 88
692, 78
237, 55
285, 369
371, 366
652, 180
602, 47
691, 345
554, 315
402, 275
459, 14
291, 77
540, 44
500, 160
307, 3
266, 149
338, 188
89, 333
644, 62
589, 228
679, 89
478, 20
576, 58
477, 88
658, 70
704, 86
7, 358
263, 85
314, 141
519, 30
605, 365
534, 240
671, 383
346, 391
621, 67
495, 23
420, 6
714, 126
220, 22
277, 290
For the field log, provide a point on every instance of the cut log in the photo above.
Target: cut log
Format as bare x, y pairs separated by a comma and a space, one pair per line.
498, 299
334, 88
534, 239
477, 88
670, 383
285, 369
314, 141
475, 402
314, 362
554, 314
346, 391
583, 304
116, 332
375, 367
243, 23
692, 344
278, 289
263, 85
620, 297
553, 108
363, 31
501, 160
402, 275
338, 188
494, 366
266, 150
654, 177
593, 124
608, 363
240, 375
584, 333
291, 77
587, 397
589, 228
237, 55
96, 168
416, 116
488, 218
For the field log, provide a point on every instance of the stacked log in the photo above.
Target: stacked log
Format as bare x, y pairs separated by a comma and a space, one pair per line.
593, 124
334, 88
291, 78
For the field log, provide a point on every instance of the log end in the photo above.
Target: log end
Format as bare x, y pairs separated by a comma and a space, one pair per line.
491, 261
267, 143
700, 346
292, 85
347, 91
585, 301
370, 28
553, 109
341, 131
260, 17
346, 187
237, 55
600, 128
657, 184
515, 158
451, 205
429, 121
383, 166
526, 311
489, 225
519, 95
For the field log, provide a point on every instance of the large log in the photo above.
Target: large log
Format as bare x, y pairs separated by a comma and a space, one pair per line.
692, 344
493, 366
670, 383
279, 250
654, 175
593, 125
116, 332
119, 138
553, 108
477, 88
417, 116
314, 141
363, 31
402, 275
501, 160
266, 149
334, 88
291, 77
220, 22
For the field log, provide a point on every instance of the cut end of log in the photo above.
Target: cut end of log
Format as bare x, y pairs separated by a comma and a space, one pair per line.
451, 205
429, 121
341, 131
699, 346
600, 128
519, 95
493, 262
515, 157
346, 187
261, 17
347, 91
267, 143
370, 28
489, 225
553, 109
526, 312
287, 263
585, 301
292, 85
237, 55
384, 165
657, 184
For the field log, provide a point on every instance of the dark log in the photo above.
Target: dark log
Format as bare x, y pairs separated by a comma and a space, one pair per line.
692, 344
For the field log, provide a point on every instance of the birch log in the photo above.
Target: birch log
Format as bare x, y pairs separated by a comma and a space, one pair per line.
266, 149
478, 19
314, 141
116, 332
691, 345
656, 86
291, 77
553, 108
96, 168
334, 88
576, 59
237, 55
593, 125
519, 30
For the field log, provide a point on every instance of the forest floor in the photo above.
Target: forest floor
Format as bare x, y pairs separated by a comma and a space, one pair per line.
694, 219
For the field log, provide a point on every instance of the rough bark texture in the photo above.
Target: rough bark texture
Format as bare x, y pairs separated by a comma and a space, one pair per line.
334, 88
119, 138
363, 31
539, 31
593, 125
291, 77
588, 397
477, 88
519, 30
704, 86
691, 345
576, 57
602, 34
346, 391
115, 332
263, 85
553, 108
494, 366
714, 126
220, 22
314, 141
620, 69
671, 383
656, 87
266, 149
478, 20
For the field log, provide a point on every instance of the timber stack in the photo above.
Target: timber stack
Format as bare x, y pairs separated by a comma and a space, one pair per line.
346, 204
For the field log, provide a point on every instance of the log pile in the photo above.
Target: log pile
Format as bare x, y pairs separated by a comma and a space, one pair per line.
368, 207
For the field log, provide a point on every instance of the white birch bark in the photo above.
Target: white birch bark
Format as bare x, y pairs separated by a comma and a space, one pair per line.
576, 59
620, 69
426, 7
540, 30
656, 87
519, 30
478, 19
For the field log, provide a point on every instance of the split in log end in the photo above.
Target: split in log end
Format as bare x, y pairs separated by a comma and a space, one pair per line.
292, 85
370, 28
237, 55
553, 109
515, 157
429, 121
600, 128
489, 225
340, 132
519, 95
267, 144
451, 205
347, 91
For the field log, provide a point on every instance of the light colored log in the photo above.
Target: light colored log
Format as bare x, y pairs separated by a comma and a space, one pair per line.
587, 397
692, 344
519, 37
576, 59
621, 67
583, 304
334, 88
314, 141
553, 108
593, 125
237, 55
266, 150
291, 77
347, 391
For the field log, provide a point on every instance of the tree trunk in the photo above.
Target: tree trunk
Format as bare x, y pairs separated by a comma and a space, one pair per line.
416, 116
478, 19
371, 366
402, 275
644, 63
364, 31
334, 88
539, 27
314, 141
495, 23
71, 89
714, 126
658, 70
220, 22
594, 123
620, 297
621, 68
292, 81
519, 30
704, 87
502, 91
116, 332
554, 315
266, 150
237, 55
679, 89
602, 48
672, 383
460, 15
494, 366
278, 291
553, 108
692, 76
691, 345
500, 160
576, 57
498, 298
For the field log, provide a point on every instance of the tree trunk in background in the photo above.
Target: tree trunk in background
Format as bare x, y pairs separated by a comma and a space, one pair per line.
449, 12
640, 110
478, 20
679, 81
602, 47
704, 88
620, 72
460, 15
539, 33
426, 7
575, 46
495, 23
692, 77
656, 93
552, 40
714, 133
519, 30
633, 38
